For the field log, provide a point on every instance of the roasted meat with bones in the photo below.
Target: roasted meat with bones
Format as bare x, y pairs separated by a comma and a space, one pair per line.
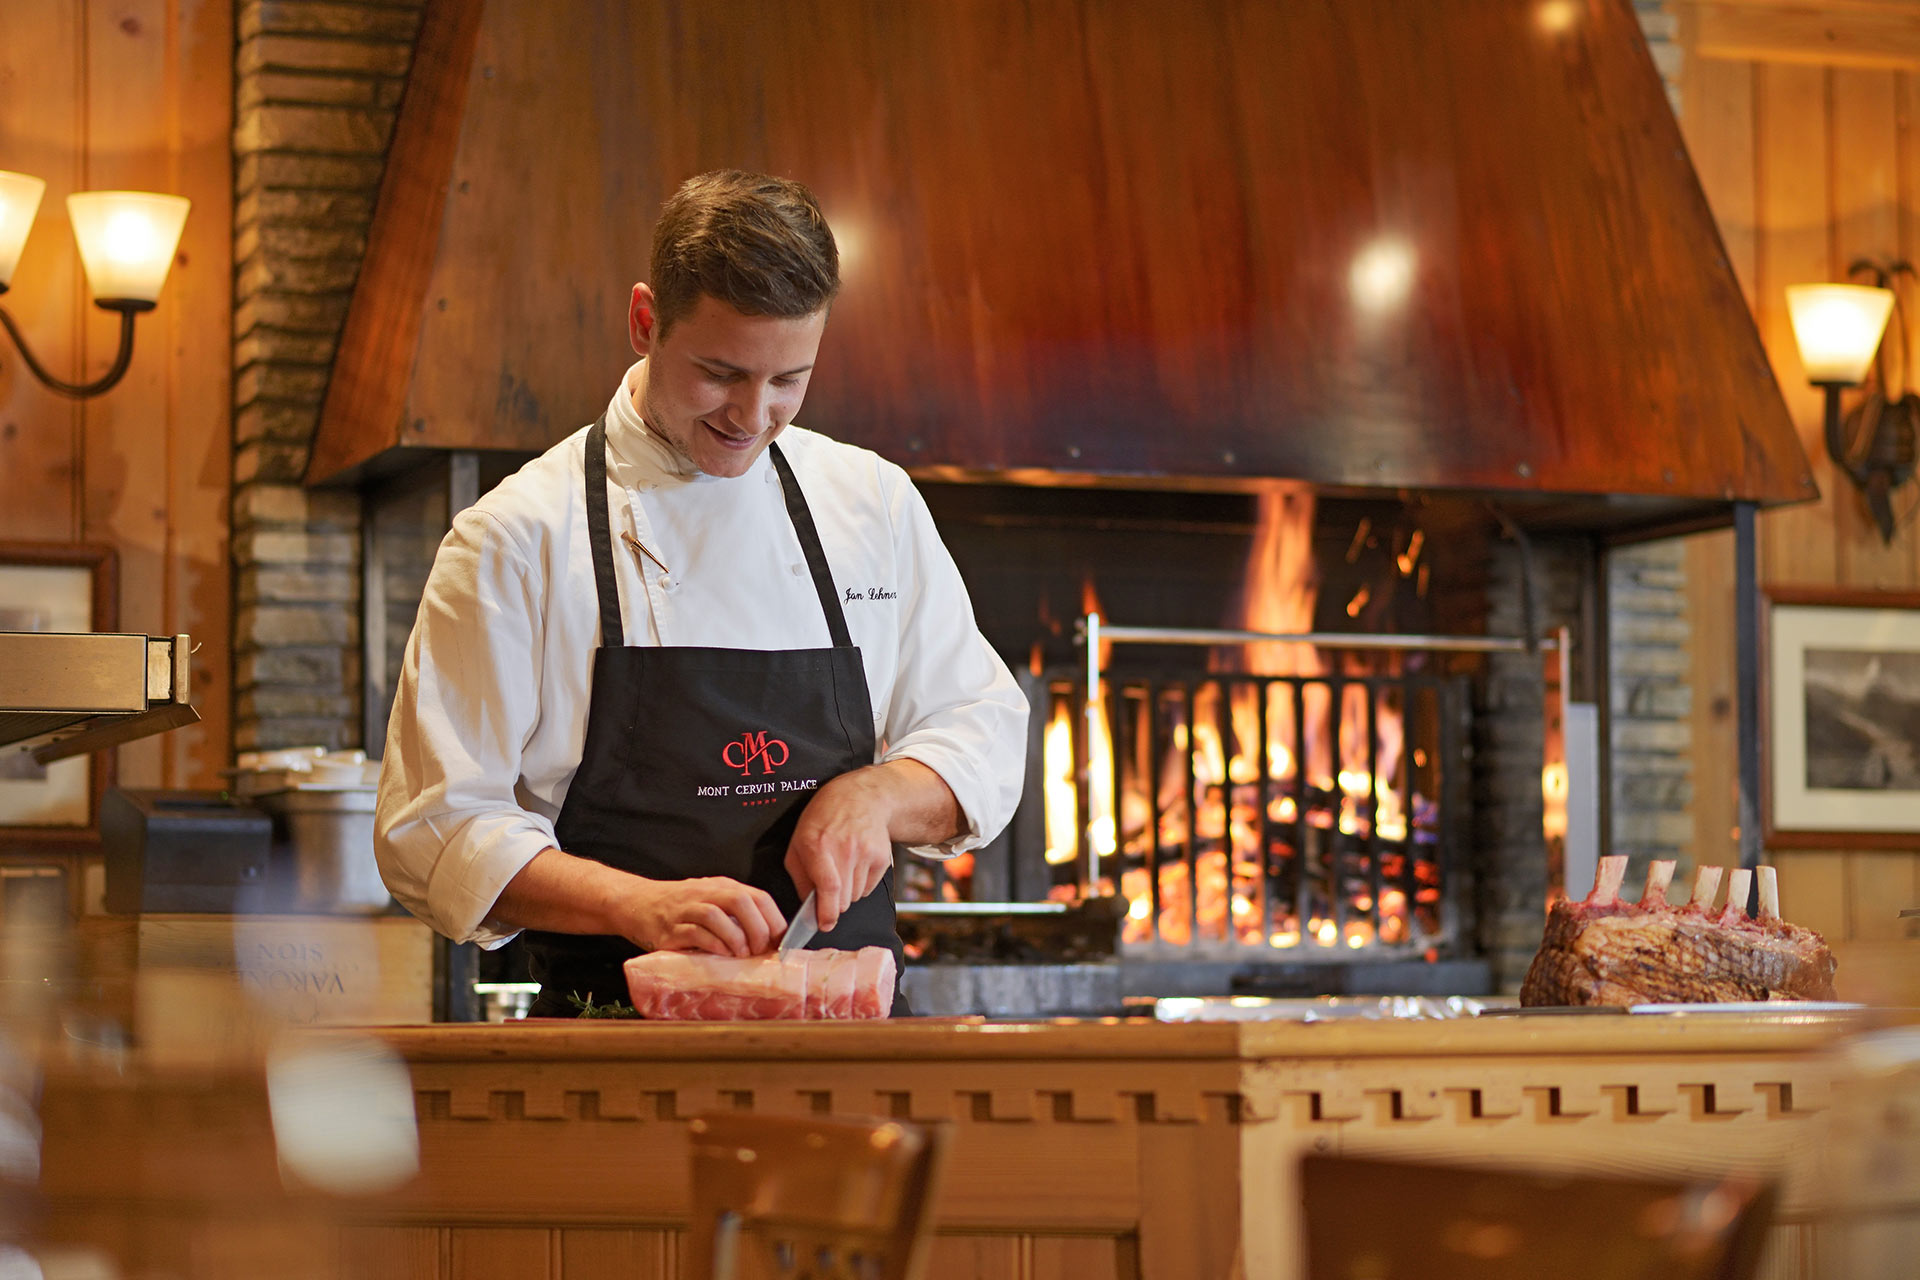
1611, 952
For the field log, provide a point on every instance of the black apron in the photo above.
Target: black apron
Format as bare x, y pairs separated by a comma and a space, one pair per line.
697, 762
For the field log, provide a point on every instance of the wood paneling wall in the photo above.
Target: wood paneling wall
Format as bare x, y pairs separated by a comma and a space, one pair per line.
1804, 123
135, 94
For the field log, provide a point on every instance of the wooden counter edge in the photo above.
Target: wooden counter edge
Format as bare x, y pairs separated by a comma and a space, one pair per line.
1095, 1039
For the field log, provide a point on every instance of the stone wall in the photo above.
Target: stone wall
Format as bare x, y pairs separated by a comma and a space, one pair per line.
1651, 735
1662, 30
1508, 860
1651, 702
316, 89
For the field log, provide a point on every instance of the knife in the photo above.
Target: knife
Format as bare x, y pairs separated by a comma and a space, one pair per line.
805, 923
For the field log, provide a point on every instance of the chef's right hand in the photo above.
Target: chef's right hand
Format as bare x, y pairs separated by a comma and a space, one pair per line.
713, 913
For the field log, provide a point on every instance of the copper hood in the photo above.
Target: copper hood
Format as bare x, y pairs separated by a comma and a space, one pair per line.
1366, 243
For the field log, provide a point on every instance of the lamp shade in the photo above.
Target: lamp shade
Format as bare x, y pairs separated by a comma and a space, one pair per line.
1837, 328
19, 199
127, 239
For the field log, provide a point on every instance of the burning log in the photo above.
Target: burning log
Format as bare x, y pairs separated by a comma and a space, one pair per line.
1606, 951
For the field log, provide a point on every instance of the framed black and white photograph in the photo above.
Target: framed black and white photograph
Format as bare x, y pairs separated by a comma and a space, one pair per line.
53, 587
1842, 684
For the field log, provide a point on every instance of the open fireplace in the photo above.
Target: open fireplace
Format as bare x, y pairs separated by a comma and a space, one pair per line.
1325, 813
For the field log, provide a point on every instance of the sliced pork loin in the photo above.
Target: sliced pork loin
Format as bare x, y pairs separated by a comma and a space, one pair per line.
1605, 950
825, 984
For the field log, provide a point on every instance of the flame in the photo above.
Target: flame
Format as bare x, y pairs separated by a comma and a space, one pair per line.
1090, 603
1261, 794
1281, 583
1063, 798
1101, 832
1553, 792
1245, 714
1209, 759
1406, 560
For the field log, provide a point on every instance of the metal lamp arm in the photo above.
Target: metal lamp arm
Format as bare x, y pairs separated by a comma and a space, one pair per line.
1839, 448
81, 390
1884, 275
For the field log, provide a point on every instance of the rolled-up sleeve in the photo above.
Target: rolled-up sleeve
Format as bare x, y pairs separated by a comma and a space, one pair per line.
450, 830
955, 706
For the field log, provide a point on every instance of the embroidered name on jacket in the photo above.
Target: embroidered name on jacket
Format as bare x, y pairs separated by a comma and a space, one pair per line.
871, 593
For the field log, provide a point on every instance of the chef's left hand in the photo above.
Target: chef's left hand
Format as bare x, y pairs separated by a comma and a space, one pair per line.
842, 848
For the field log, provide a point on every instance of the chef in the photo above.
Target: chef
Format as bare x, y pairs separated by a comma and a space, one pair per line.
694, 662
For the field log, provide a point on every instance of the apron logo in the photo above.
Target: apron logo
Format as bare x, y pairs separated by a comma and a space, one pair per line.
754, 746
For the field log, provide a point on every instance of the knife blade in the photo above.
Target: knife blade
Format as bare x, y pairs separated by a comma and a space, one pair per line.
800, 931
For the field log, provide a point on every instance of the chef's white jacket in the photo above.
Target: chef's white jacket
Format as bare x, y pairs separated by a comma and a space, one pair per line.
491, 711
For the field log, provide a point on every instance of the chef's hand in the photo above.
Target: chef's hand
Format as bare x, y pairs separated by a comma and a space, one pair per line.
566, 894
712, 913
842, 847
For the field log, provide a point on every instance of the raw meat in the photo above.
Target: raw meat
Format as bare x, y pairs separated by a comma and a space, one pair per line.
825, 984
1611, 952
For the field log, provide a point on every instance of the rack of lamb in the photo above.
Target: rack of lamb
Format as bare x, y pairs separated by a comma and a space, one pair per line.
1608, 951
810, 985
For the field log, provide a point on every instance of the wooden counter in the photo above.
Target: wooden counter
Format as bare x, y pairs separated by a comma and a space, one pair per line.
1085, 1149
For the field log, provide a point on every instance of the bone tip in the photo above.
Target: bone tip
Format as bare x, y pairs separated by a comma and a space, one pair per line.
1738, 883
1706, 883
1608, 877
1659, 876
1769, 894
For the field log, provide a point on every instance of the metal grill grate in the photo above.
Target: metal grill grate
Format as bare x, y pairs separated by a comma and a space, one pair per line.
1297, 816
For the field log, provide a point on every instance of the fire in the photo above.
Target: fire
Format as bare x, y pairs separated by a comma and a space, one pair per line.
1101, 833
1274, 803
1063, 798
1281, 583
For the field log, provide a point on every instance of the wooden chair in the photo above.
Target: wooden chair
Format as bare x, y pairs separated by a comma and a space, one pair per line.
811, 1198
1383, 1220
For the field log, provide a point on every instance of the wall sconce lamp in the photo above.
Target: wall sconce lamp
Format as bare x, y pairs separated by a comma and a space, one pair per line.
1838, 328
126, 239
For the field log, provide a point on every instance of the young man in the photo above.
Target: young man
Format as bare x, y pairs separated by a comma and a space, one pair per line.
694, 662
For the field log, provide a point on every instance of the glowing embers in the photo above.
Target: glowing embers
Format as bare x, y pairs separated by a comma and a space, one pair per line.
1240, 811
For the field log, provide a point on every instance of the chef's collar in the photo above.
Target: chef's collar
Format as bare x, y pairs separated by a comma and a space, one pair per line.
635, 452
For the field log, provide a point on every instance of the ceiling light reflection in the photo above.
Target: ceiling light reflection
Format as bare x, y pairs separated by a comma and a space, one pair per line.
1556, 16
1382, 275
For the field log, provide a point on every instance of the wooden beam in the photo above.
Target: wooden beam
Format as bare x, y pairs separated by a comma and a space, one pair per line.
1885, 36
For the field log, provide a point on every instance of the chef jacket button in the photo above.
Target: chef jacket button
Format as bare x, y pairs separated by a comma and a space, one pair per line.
668, 584
796, 569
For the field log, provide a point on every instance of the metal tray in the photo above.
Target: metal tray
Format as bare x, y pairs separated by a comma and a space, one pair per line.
1777, 1008
1319, 1009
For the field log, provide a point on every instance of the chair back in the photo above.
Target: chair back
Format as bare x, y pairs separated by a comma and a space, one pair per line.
811, 1197
1372, 1219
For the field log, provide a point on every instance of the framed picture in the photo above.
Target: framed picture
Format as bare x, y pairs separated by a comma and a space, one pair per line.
1841, 677
54, 587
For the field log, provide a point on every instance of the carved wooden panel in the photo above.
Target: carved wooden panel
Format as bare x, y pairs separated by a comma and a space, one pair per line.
562, 1151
